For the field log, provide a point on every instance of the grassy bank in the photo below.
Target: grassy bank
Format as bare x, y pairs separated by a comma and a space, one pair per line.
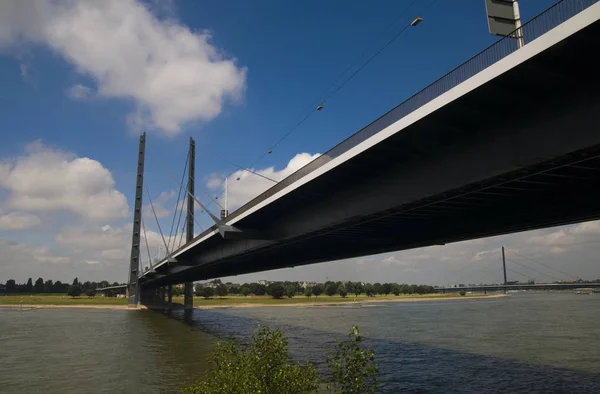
233, 300
56, 299
228, 301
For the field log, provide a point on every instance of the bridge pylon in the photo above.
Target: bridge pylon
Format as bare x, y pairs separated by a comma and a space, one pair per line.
188, 291
133, 288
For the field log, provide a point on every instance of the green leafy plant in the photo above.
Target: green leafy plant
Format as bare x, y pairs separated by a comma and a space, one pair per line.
264, 366
353, 369
74, 291
462, 293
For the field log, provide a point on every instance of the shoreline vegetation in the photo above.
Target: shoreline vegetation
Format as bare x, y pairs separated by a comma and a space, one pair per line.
230, 301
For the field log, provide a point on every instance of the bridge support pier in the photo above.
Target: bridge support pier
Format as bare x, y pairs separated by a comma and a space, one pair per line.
188, 295
161, 294
170, 295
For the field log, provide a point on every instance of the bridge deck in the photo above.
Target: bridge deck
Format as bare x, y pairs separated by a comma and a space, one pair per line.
513, 148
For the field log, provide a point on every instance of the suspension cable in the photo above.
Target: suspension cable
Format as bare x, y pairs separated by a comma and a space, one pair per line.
157, 221
534, 270
147, 247
545, 265
178, 196
179, 219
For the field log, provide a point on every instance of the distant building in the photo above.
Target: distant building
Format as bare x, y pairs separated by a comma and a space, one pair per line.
308, 284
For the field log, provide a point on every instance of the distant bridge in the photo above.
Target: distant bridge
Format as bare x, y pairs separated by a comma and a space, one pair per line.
520, 286
506, 142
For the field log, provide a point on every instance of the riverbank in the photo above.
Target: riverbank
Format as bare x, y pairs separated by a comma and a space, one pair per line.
325, 301
53, 301
60, 301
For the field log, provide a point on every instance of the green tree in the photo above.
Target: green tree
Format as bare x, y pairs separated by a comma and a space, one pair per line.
462, 293
177, 291
90, 292
331, 289
342, 291
258, 289
317, 289
358, 289
74, 291
11, 286
308, 291
203, 291
264, 366
290, 291
369, 290
395, 288
377, 288
60, 287
221, 290
386, 288
353, 369
276, 290
245, 289
76, 282
48, 286
39, 285
208, 292
29, 286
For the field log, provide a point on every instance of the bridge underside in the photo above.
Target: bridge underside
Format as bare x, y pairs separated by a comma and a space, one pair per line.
521, 152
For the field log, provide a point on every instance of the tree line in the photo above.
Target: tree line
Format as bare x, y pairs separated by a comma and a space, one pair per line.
40, 286
292, 289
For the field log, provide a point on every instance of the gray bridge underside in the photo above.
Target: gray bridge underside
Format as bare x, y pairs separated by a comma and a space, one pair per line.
521, 152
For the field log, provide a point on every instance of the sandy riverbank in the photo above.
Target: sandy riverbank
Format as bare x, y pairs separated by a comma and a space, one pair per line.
49, 306
347, 303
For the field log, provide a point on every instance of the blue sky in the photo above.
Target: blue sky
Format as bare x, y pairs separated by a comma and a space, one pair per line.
82, 79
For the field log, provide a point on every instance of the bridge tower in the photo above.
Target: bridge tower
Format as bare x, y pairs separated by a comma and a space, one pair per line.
133, 289
188, 292
504, 266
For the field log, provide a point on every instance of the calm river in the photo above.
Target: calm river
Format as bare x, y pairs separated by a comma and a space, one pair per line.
525, 343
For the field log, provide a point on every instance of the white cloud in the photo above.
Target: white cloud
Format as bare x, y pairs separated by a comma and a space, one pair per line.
562, 239
250, 185
159, 205
45, 179
79, 92
172, 74
21, 260
113, 244
18, 221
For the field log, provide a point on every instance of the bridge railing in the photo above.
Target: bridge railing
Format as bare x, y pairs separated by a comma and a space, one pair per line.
536, 27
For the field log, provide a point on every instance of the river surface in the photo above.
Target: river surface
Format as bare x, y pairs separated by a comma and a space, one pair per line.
525, 343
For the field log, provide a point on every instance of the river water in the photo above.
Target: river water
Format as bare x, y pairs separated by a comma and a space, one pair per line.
525, 343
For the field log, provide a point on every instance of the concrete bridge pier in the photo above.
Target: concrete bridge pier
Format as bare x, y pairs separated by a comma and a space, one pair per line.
161, 294
170, 295
188, 296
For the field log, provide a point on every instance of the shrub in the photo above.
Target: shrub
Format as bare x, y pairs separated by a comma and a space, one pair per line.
276, 290
74, 291
353, 368
462, 293
308, 291
264, 366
